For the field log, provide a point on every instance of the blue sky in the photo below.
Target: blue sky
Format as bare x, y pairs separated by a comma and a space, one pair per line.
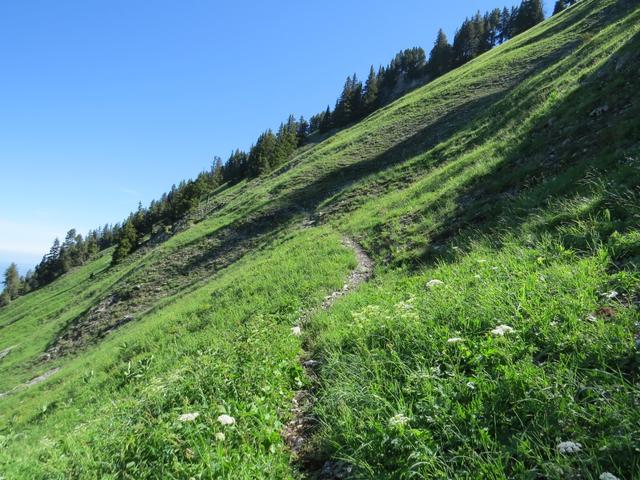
107, 103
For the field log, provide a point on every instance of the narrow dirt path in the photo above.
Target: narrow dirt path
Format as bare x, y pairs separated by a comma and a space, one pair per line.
298, 430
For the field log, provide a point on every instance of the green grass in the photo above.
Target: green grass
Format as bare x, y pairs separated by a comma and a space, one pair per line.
225, 348
497, 179
489, 406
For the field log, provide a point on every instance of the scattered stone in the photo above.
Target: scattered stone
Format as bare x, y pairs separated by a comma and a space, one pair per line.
608, 476
298, 429
42, 377
434, 283
455, 340
296, 331
335, 470
6, 351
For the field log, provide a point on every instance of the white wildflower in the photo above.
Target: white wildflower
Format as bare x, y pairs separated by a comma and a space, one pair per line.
404, 305
188, 417
569, 447
482, 260
471, 385
220, 437
608, 476
434, 283
297, 331
455, 340
226, 419
501, 330
398, 420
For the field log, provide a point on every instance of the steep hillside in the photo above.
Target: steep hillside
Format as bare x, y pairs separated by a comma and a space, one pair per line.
501, 206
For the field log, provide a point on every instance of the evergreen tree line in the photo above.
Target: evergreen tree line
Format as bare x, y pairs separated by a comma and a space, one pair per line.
73, 251
409, 69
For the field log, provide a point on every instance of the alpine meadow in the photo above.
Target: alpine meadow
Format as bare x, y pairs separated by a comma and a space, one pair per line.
438, 278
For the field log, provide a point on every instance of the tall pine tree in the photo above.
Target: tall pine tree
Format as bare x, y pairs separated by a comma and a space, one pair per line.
370, 96
441, 56
530, 13
12, 281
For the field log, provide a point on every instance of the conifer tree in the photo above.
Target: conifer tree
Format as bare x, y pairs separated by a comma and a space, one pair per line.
561, 5
216, 172
262, 154
504, 28
127, 242
12, 281
441, 56
491, 29
326, 122
286, 142
530, 13
5, 299
344, 111
356, 99
466, 43
370, 95
302, 132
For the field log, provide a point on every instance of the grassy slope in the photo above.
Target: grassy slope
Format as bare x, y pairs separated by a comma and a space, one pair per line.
504, 149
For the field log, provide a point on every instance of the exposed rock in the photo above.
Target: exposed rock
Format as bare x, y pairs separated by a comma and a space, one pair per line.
42, 378
6, 351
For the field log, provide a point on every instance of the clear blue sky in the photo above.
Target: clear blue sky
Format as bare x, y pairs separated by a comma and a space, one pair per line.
107, 103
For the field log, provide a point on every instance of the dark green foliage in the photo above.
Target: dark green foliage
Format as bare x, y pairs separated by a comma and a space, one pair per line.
370, 96
262, 154
325, 122
127, 242
286, 141
302, 132
492, 31
561, 5
505, 25
475, 36
530, 13
12, 281
237, 166
5, 298
349, 105
441, 56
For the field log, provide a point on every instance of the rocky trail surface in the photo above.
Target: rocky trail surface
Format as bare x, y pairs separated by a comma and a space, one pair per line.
298, 430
